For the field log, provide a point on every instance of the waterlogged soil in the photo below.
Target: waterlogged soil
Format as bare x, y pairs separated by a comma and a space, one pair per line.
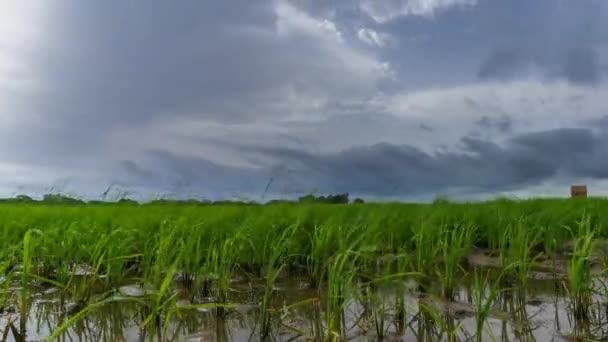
542, 312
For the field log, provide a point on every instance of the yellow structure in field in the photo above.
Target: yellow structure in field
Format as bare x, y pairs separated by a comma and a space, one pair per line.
578, 191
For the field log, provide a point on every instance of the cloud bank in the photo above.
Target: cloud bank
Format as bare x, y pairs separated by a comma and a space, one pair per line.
390, 98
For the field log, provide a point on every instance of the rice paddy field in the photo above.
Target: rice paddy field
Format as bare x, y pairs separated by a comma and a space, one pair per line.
494, 271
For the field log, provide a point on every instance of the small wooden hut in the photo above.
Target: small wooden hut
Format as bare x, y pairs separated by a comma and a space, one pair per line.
577, 191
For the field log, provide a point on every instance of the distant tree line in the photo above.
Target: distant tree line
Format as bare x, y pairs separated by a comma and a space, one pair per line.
62, 199
329, 199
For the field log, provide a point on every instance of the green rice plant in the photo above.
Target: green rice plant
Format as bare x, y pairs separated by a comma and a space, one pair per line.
454, 245
159, 254
222, 263
484, 296
192, 258
375, 295
160, 301
61, 329
580, 282
29, 246
83, 289
320, 249
276, 262
122, 244
6, 278
426, 250
517, 257
159, 267
403, 264
523, 241
341, 273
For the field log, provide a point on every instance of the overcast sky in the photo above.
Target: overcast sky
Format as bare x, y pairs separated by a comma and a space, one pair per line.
405, 99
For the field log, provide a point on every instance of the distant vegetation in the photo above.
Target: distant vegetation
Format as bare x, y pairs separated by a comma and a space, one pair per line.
67, 200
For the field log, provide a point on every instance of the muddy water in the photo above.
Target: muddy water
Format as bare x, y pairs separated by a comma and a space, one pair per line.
540, 313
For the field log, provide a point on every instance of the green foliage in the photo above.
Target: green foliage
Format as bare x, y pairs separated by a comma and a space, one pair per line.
188, 250
330, 199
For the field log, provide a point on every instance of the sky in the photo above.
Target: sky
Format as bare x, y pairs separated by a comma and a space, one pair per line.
239, 99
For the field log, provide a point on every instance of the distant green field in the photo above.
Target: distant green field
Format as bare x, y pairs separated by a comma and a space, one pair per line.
181, 254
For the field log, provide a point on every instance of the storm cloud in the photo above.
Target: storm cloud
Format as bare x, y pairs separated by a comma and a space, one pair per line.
282, 97
479, 166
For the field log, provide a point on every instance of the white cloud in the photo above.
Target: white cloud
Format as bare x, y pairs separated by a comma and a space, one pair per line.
532, 105
293, 21
344, 73
18, 34
385, 10
372, 37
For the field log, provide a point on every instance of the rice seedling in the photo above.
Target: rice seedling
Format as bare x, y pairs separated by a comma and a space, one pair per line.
484, 295
580, 282
222, 261
403, 264
426, 249
375, 294
454, 245
341, 270
320, 252
24, 305
276, 262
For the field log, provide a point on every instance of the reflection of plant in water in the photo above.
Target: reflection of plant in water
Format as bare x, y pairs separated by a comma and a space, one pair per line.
445, 323
484, 295
512, 301
403, 263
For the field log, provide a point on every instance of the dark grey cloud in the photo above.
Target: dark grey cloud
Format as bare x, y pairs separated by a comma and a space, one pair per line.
500, 40
104, 66
582, 66
426, 127
401, 170
138, 60
503, 63
555, 39
502, 124
578, 65
184, 176
601, 122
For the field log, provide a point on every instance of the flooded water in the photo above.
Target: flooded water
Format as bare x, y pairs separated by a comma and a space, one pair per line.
540, 312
